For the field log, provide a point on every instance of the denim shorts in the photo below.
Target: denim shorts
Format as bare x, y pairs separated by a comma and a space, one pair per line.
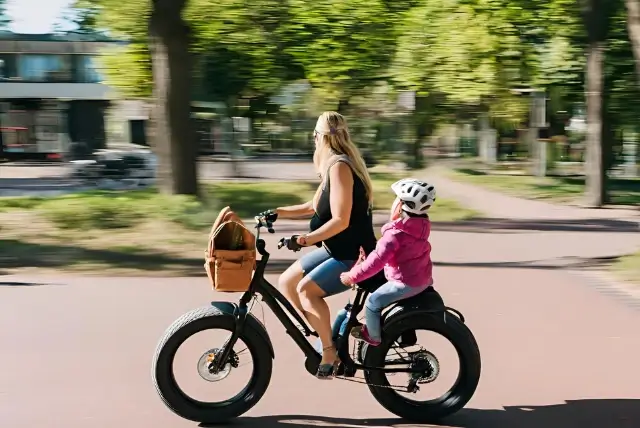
325, 271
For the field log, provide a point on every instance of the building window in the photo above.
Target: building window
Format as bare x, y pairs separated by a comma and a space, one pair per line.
88, 69
44, 68
7, 66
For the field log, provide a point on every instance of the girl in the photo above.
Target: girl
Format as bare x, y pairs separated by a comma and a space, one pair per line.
403, 251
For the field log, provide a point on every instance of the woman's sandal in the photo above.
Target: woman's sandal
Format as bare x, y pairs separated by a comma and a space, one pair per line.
328, 371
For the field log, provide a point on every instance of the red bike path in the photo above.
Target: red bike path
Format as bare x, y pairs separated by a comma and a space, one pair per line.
76, 352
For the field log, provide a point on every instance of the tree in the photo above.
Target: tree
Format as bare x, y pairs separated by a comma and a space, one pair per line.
155, 60
4, 19
597, 17
633, 25
342, 46
567, 29
240, 48
82, 15
448, 56
127, 67
169, 40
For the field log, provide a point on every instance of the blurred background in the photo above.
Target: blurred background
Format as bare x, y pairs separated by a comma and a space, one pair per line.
200, 103
125, 125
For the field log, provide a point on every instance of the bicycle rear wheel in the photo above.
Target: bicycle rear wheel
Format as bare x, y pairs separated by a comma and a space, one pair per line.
457, 334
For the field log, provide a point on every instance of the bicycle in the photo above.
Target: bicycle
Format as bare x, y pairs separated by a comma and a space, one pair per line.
400, 322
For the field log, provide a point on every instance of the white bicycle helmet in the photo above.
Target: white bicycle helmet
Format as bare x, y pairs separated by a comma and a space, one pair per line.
416, 195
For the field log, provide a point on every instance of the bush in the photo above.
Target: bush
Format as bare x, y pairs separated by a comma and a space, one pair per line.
84, 213
24, 203
119, 210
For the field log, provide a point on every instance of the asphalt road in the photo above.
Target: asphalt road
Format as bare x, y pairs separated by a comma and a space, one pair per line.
76, 352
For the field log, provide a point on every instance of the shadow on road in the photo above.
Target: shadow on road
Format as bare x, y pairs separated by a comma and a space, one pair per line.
492, 225
618, 413
18, 254
566, 262
502, 225
19, 284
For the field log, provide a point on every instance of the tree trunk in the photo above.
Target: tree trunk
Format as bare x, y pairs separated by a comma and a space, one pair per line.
596, 18
422, 122
594, 163
174, 140
633, 28
343, 105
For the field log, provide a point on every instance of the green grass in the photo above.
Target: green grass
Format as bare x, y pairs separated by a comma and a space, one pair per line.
144, 231
628, 268
561, 189
108, 210
449, 210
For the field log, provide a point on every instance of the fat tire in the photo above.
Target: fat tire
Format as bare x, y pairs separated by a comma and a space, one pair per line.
209, 318
450, 327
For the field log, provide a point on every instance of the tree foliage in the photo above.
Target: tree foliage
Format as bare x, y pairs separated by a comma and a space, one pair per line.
4, 19
463, 58
342, 46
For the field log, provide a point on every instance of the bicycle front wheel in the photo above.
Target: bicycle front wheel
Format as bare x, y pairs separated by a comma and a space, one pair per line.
206, 410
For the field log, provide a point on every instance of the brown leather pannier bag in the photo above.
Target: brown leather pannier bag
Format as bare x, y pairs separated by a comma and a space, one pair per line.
230, 257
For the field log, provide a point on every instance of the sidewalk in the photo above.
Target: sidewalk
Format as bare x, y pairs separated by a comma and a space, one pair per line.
517, 230
498, 205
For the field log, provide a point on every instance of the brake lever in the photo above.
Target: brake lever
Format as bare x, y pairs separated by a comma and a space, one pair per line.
261, 221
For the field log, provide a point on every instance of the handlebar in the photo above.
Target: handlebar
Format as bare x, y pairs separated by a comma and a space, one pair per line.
290, 243
266, 219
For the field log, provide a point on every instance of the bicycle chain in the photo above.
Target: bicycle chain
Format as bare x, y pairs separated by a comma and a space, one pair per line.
363, 381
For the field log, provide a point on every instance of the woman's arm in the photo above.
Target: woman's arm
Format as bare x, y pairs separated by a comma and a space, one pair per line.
296, 211
340, 200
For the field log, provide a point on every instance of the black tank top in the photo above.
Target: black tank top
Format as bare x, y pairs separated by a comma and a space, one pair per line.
346, 244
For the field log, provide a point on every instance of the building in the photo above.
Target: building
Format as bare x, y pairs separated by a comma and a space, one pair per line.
51, 93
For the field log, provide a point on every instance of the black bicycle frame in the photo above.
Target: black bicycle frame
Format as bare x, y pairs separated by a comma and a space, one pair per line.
285, 312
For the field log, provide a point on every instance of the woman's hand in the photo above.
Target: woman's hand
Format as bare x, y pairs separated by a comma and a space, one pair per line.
303, 241
345, 278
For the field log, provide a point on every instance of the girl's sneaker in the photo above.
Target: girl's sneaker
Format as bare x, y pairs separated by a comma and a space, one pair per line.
361, 333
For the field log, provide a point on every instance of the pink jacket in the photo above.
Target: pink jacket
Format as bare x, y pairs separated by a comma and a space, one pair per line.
403, 251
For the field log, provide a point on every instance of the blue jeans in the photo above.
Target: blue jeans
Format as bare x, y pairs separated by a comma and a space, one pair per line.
381, 298
387, 294
338, 329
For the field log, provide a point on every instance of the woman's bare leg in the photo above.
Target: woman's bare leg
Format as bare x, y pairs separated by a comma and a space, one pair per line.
316, 311
288, 282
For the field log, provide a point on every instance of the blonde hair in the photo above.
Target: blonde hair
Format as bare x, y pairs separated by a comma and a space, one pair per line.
335, 140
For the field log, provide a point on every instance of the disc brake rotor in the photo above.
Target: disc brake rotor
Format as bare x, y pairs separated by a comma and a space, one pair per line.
208, 357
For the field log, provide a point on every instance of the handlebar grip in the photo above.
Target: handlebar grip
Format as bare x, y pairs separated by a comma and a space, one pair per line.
291, 243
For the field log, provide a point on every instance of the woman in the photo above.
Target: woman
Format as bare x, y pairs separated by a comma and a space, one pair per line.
342, 222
